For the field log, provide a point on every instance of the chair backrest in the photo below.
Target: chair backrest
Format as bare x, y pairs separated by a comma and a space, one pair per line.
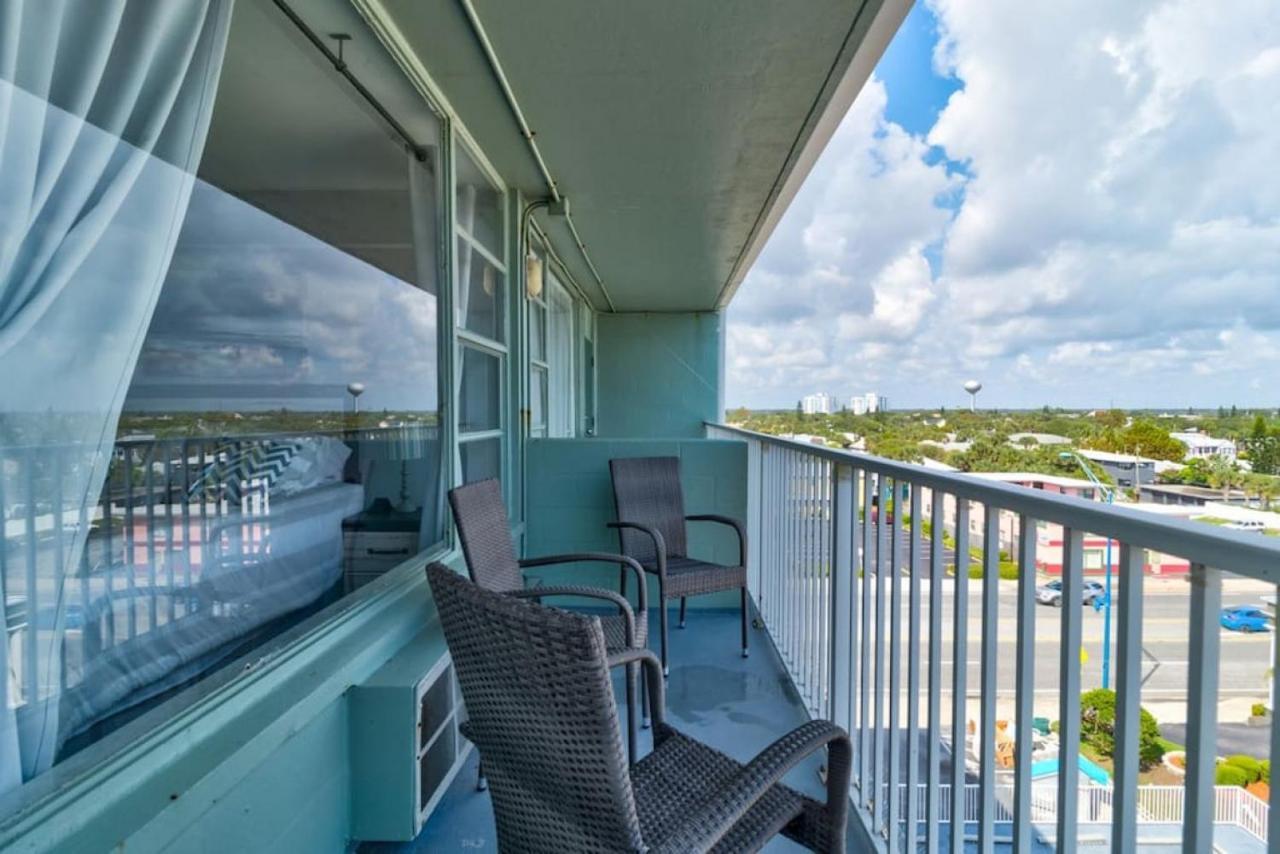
481, 517
541, 710
647, 490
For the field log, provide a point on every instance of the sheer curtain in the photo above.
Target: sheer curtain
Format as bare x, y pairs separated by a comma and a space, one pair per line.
560, 352
104, 109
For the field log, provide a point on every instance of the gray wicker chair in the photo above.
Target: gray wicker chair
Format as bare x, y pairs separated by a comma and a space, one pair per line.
540, 709
651, 529
485, 532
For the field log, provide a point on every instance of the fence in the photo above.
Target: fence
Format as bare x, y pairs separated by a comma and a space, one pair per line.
843, 545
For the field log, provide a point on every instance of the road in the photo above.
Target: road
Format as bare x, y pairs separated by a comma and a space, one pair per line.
1243, 666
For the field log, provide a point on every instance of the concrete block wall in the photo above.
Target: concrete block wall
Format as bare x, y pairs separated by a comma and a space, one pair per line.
570, 500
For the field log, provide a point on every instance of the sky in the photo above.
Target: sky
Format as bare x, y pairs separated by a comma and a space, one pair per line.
257, 314
1075, 203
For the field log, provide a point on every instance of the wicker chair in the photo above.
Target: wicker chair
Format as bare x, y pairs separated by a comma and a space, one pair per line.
651, 529
481, 517
540, 709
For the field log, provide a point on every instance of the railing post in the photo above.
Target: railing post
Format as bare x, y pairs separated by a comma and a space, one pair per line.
755, 507
1273, 814
1124, 819
842, 592
1202, 707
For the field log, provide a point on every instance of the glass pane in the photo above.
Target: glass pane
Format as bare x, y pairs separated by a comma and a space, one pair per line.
480, 404
481, 459
538, 398
537, 332
480, 293
560, 351
478, 206
227, 412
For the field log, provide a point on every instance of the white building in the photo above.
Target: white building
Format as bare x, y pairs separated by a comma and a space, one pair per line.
865, 404
817, 404
1201, 446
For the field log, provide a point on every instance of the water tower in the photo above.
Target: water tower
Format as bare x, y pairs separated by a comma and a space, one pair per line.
355, 390
973, 387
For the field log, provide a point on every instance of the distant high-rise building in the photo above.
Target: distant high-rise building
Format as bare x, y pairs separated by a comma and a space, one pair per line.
817, 404
866, 404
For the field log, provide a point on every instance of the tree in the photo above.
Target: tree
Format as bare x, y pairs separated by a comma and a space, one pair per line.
739, 415
1098, 724
1145, 438
1224, 475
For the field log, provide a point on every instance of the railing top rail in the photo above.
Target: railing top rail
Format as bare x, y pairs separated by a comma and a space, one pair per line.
1241, 552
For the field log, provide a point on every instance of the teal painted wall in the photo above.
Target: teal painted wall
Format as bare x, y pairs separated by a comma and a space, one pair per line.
570, 499
309, 773
660, 375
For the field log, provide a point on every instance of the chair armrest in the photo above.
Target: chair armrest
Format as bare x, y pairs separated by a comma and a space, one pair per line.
652, 667
732, 523
603, 557
624, 607
730, 803
659, 544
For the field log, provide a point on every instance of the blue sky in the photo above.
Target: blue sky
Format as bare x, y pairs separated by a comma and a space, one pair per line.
1076, 205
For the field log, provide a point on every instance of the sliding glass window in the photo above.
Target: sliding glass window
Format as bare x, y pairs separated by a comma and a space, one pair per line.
479, 301
219, 339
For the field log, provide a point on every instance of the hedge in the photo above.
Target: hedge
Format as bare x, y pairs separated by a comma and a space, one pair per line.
1230, 775
1248, 764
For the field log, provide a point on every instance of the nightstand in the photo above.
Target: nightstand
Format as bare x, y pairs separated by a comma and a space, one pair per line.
376, 540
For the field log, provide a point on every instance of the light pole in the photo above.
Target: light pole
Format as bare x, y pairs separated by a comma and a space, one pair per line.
1110, 495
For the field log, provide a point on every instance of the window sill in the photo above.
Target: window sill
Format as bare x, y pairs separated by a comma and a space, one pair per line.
115, 787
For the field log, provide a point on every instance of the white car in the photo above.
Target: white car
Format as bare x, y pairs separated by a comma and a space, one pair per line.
1246, 525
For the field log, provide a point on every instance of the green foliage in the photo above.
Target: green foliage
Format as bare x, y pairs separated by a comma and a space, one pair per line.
1252, 767
1258, 710
1145, 438
1097, 727
1009, 570
1230, 775
1265, 767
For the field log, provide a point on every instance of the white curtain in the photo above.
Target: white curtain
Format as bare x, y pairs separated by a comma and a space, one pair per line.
104, 109
560, 353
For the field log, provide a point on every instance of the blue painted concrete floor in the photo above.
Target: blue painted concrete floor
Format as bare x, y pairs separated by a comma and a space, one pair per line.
737, 705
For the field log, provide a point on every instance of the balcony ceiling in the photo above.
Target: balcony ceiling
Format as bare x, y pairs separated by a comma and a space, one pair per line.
678, 130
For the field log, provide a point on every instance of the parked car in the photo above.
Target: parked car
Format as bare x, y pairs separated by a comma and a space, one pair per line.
1247, 525
1245, 618
1051, 593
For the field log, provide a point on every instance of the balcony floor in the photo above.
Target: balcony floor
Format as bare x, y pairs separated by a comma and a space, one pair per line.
736, 705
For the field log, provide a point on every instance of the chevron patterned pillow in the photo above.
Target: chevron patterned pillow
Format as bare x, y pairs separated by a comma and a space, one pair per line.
240, 468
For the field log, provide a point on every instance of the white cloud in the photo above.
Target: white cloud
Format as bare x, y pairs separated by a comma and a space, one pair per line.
1118, 238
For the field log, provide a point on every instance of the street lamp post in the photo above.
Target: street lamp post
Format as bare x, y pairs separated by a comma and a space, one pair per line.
1110, 495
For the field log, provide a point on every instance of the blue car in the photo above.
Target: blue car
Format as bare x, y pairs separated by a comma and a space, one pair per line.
1245, 618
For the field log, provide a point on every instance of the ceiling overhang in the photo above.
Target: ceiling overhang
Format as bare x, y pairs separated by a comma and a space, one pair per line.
679, 131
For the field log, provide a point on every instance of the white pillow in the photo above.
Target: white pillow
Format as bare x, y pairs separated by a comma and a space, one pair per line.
319, 460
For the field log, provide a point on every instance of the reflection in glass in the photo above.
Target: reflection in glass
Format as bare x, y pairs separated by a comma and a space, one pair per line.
478, 206
480, 400
481, 459
278, 443
537, 332
480, 293
538, 398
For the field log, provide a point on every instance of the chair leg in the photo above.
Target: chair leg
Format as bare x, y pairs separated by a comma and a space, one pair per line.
662, 620
645, 721
633, 671
481, 783
684, 602
745, 652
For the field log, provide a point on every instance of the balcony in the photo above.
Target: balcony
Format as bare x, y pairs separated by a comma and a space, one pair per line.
820, 548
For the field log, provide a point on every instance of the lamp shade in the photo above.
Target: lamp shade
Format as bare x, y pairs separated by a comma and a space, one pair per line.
533, 276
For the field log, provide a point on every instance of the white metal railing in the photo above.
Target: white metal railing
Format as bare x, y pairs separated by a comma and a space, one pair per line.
852, 595
1156, 805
